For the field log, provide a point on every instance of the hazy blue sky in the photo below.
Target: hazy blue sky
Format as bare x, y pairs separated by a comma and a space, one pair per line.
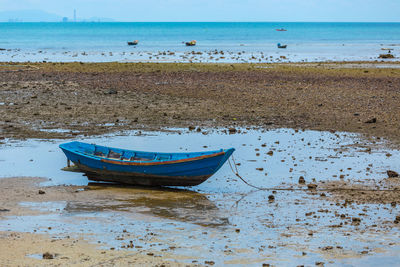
217, 10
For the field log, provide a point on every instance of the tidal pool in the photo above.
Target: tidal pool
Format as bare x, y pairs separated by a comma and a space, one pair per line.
224, 220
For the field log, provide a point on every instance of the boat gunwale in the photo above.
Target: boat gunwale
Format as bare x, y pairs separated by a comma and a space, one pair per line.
142, 163
138, 163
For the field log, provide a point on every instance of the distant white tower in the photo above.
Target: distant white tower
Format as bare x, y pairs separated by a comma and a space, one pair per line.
74, 15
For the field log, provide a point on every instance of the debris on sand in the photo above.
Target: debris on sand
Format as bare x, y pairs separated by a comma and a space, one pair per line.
386, 56
232, 130
373, 120
312, 186
356, 221
47, 256
41, 192
111, 92
392, 174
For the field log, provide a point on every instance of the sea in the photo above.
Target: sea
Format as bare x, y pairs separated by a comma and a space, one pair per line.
216, 42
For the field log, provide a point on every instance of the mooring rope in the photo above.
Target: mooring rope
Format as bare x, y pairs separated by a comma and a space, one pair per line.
241, 178
300, 189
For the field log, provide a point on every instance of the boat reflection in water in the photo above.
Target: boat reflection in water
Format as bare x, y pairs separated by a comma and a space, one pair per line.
174, 204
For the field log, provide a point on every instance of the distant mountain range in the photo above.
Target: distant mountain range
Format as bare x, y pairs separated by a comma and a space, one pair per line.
42, 16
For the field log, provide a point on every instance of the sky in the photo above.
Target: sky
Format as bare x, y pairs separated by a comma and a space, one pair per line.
218, 10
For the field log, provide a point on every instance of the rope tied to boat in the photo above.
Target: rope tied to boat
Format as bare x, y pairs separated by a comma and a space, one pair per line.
304, 189
241, 178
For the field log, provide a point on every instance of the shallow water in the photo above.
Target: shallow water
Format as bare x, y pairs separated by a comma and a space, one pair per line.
223, 219
312, 154
265, 53
105, 42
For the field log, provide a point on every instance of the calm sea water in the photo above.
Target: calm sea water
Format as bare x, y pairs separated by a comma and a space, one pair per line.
306, 41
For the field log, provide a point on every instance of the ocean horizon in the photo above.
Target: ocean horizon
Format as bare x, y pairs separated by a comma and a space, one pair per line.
164, 41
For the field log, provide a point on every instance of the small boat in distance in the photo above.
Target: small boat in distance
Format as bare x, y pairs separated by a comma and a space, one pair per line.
101, 163
191, 43
281, 46
281, 30
134, 42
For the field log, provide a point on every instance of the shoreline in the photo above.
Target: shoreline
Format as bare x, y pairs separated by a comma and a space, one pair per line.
295, 53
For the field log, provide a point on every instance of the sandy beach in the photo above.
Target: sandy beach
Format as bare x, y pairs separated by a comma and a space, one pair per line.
351, 216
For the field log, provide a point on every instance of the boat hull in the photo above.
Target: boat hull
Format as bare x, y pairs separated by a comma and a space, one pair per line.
141, 179
189, 171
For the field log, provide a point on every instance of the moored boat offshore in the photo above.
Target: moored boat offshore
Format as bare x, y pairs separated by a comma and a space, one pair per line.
191, 43
134, 42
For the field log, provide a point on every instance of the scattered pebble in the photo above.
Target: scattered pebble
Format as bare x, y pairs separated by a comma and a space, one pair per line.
312, 186
47, 256
373, 120
392, 174
232, 130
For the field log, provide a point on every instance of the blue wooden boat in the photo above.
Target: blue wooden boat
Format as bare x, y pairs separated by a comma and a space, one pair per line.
101, 163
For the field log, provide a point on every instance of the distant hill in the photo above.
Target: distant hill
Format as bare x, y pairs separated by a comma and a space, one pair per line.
28, 16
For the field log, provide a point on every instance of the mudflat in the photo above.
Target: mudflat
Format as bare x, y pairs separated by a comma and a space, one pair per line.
346, 212
95, 98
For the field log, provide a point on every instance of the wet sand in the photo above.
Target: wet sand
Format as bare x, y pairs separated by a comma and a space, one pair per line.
68, 252
72, 249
